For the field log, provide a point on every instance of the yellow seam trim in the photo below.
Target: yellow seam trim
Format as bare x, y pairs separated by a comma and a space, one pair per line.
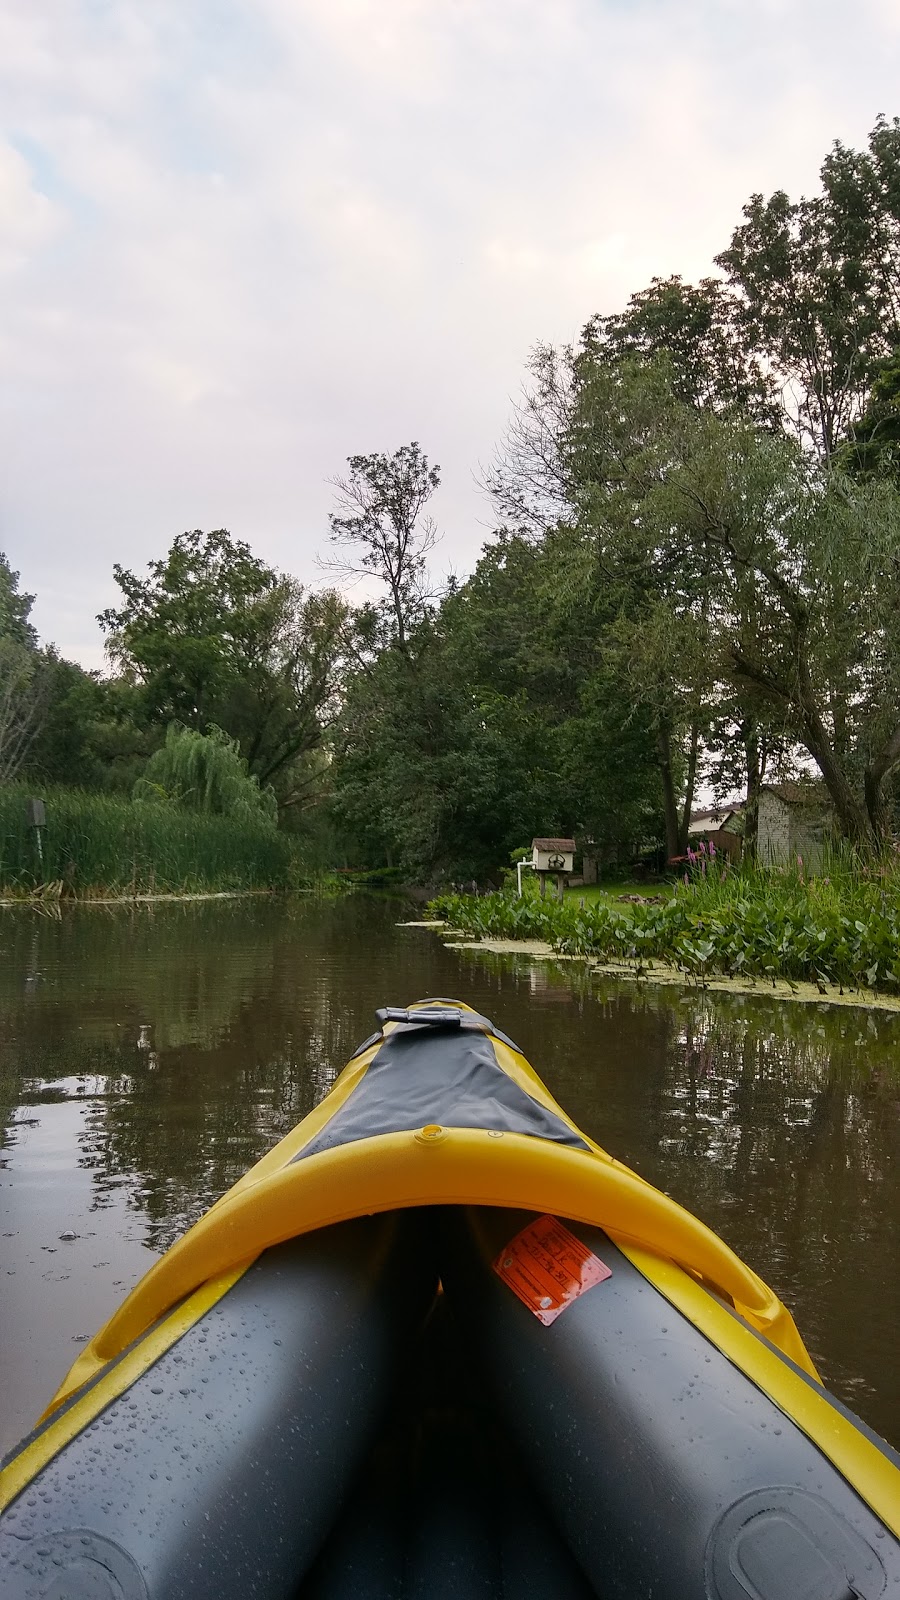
24, 1467
385, 1172
856, 1458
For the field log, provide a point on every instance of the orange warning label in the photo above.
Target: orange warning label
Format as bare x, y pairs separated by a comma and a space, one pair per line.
548, 1268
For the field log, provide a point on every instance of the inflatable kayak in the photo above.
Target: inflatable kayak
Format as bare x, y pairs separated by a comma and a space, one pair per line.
439, 1343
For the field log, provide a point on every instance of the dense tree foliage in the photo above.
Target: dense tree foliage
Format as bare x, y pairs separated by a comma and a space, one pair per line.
818, 283
215, 637
499, 723
23, 677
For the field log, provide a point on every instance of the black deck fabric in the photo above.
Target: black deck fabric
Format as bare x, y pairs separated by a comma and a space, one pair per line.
445, 1074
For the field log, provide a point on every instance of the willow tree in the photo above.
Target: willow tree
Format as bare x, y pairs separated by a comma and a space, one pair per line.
206, 773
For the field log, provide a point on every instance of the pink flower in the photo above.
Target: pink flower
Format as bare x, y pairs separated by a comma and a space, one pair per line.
712, 851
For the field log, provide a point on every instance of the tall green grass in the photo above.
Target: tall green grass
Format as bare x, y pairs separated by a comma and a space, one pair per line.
840, 929
96, 843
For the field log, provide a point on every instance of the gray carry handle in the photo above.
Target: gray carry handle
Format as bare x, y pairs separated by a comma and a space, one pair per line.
432, 1017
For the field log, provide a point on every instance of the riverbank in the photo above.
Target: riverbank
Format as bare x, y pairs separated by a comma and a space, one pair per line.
764, 928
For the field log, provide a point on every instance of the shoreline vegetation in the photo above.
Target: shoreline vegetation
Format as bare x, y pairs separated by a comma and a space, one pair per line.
106, 849
809, 937
665, 973
99, 846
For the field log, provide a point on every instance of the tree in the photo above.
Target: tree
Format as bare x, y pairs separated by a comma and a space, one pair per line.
23, 682
94, 733
802, 599
598, 430
215, 637
22, 702
700, 332
507, 726
382, 532
207, 773
819, 284
15, 609
873, 448
189, 628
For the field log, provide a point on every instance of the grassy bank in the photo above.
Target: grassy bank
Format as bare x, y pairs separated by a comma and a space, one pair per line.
840, 930
97, 844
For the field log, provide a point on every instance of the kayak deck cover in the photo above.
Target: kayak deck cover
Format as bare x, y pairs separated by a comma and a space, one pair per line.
438, 1342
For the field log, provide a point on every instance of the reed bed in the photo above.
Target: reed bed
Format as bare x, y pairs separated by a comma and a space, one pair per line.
97, 844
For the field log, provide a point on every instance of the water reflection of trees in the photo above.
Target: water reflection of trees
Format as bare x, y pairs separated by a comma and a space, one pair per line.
779, 1123
776, 1122
195, 1039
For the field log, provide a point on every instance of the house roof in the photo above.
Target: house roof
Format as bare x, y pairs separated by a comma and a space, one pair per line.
706, 824
716, 819
795, 793
557, 846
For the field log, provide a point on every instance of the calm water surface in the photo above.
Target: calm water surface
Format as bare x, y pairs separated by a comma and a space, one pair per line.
148, 1056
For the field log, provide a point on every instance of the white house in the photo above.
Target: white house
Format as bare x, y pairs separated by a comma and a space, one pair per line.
721, 825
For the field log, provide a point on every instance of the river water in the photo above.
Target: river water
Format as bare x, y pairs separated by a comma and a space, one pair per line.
148, 1056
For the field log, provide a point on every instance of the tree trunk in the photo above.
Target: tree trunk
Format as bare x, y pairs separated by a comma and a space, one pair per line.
874, 777
670, 806
689, 789
800, 699
753, 758
851, 813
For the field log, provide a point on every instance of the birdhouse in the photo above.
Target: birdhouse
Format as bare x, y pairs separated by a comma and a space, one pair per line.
552, 855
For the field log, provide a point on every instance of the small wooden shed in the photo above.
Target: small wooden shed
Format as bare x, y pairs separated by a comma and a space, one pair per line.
795, 821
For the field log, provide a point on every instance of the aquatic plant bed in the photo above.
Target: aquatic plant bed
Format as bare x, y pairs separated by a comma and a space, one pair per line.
760, 925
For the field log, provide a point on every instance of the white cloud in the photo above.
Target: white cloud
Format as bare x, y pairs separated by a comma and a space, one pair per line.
243, 240
27, 218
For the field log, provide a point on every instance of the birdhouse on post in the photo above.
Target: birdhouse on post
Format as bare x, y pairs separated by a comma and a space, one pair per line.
553, 858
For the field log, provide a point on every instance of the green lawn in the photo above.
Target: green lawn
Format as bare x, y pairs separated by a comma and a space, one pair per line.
611, 893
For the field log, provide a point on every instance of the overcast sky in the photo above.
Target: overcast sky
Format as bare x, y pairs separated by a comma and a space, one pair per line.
242, 239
